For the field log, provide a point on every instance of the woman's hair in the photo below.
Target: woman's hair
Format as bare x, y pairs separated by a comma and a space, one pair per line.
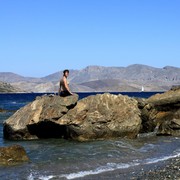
66, 70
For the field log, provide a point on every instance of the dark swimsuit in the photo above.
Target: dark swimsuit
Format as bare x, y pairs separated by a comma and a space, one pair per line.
64, 93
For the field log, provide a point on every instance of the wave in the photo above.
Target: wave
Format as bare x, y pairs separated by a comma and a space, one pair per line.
109, 167
165, 158
13, 102
32, 177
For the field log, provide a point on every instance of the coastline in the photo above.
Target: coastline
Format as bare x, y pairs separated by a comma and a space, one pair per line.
154, 164
168, 169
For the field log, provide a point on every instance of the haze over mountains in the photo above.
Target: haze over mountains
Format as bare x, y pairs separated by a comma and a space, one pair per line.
99, 78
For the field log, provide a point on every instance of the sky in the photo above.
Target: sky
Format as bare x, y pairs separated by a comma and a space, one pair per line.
40, 37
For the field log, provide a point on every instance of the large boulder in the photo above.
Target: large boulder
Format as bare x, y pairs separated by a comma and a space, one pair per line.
95, 117
162, 111
13, 155
102, 117
37, 119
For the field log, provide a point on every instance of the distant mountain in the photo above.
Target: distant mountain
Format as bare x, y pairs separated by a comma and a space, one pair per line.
10, 77
133, 72
5, 87
56, 76
99, 78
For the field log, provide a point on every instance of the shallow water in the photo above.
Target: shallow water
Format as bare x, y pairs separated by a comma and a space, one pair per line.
62, 159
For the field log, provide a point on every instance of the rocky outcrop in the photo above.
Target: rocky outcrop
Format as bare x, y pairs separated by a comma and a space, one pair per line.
95, 117
102, 117
6, 110
2, 110
37, 119
162, 111
12, 155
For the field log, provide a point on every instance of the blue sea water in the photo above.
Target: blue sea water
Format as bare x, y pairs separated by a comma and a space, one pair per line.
62, 159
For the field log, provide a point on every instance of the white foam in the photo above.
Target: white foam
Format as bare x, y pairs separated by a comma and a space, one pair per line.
30, 177
156, 160
33, 177
14, 102
46, 177
109, 167
113, 166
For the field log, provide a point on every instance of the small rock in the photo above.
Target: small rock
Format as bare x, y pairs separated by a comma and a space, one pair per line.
2, 110
13, 155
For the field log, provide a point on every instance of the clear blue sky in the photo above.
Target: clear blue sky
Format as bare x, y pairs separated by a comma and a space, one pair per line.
40, 37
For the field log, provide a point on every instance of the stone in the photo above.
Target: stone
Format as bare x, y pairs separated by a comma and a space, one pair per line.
162, 112
175, 87
2, 110
166, 100
148, 119
6, 110
103, 116
13, 155
37, 119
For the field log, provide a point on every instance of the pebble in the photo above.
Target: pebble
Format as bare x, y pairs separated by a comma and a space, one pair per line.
170, 171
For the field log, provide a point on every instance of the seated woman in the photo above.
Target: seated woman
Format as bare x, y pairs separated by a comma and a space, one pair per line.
64, 88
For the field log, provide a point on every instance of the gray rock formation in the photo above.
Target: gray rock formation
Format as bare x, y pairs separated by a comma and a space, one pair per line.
13, 155
102, 117
37, 119
162, 111
95, 117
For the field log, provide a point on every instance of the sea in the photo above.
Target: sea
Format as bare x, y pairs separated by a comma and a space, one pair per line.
52, 159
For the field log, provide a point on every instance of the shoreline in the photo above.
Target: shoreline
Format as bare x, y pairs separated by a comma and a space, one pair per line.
84, 92
168, 169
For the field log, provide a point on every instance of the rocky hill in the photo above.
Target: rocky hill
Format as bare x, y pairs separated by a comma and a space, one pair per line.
99, 78
134, 72
10, 77
5, 87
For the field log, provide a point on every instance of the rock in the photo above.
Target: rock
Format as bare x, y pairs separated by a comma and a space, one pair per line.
2, 110
95, 117
13, 155
163, 112
6, 110
103, 117
166, 100
170, 125
176, 87
37, 119
147, 116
